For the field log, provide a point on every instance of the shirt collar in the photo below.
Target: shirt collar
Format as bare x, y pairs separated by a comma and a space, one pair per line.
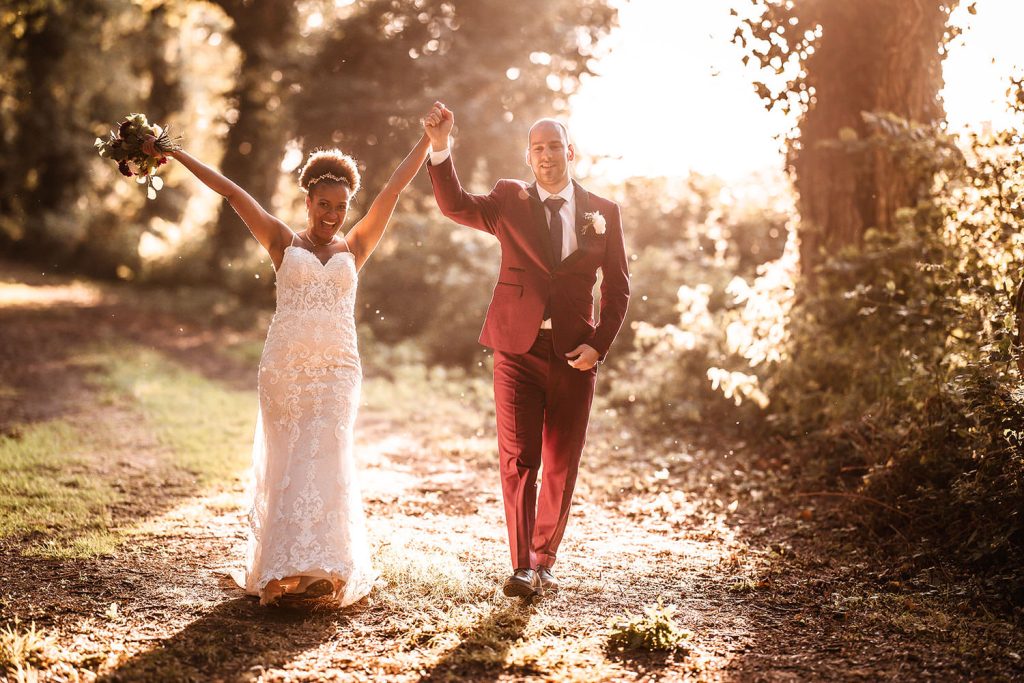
565, 193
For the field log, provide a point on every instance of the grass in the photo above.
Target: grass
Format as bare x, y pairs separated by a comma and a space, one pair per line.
48, 494
447, 615
244, 350
206, 429
22, 650
56, 492
655, 630
455, 395
415, 569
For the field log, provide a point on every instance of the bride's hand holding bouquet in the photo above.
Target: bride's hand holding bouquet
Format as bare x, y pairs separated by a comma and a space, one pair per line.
139, 148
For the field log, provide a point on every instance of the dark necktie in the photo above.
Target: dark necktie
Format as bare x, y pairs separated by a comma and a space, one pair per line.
554, 204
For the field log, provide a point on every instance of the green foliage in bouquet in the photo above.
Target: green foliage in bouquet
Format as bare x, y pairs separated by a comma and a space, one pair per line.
655, 630
124, 146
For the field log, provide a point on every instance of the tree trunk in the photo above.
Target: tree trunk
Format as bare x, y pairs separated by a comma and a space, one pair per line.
873, 56
165, 95
264, 31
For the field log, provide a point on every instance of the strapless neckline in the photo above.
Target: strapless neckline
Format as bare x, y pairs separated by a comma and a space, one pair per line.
323, 264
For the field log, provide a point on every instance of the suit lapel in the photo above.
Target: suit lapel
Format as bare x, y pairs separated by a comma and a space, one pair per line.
541, 233
582, 200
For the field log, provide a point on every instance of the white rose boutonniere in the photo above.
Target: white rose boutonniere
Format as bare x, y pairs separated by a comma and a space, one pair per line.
595, 220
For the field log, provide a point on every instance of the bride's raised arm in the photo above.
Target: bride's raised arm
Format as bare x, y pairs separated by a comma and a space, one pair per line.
365, 235
269, 231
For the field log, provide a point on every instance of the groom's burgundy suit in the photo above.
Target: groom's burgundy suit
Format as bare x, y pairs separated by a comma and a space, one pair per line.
542, 403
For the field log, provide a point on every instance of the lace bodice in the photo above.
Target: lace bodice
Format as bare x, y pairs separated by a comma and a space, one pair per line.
305, 285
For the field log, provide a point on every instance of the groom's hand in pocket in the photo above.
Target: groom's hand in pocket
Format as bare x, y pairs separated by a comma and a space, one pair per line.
583, 357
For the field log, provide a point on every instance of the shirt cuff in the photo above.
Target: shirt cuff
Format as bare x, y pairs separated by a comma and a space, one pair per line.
438, 158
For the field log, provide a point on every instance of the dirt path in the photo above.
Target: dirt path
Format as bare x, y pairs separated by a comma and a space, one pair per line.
770, 587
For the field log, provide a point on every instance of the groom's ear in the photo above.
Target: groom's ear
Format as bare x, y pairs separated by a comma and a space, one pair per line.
526, 156
570, 152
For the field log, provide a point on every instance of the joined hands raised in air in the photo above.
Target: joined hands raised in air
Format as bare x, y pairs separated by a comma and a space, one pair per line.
438, 126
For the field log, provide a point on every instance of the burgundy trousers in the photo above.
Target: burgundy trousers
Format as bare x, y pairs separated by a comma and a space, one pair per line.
543, 407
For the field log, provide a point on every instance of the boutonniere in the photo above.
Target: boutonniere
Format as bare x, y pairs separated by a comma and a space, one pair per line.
594, 220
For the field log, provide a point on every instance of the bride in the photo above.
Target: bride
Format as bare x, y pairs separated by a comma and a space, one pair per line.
307, 530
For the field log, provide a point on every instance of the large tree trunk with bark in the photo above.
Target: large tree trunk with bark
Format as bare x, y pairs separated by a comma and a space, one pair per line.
874, 56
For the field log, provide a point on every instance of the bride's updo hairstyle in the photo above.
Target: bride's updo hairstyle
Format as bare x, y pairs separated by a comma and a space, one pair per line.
329, 166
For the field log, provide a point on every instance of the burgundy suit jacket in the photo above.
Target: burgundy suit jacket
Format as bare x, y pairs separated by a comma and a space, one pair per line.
530, 274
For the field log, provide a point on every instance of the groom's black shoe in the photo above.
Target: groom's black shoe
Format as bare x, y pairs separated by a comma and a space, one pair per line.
548, 582
523, 583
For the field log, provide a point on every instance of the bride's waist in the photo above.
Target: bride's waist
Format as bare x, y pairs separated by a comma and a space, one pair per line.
322, 317
312, 331
318, 350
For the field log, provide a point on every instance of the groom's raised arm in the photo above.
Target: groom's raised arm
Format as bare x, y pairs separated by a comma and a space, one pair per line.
478, 211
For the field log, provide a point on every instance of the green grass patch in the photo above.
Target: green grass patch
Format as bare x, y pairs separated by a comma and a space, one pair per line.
54, 495
247, 351
654, 630
46, 492
409, 390
56, 499
206, 428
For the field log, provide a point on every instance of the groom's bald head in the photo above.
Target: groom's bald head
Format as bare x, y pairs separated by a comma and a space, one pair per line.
551, 123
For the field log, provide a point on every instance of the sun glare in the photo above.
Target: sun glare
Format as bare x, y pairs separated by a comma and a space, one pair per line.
980, 63
673, 96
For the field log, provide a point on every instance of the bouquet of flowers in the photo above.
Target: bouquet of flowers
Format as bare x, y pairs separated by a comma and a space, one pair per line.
125, 147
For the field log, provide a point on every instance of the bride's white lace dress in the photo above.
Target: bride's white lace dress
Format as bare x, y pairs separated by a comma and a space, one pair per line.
307, 515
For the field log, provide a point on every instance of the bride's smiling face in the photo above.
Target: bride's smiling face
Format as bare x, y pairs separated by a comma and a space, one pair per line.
326, 207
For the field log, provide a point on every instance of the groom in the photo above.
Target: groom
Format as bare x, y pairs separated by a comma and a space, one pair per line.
554, 236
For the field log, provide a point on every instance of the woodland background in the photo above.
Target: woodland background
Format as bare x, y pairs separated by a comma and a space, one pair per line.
861, 323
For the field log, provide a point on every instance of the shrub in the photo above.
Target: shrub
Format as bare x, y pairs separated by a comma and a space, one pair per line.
655, 630
896, 366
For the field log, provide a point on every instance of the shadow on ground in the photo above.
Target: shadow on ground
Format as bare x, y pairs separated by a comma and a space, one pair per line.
235, 638
481, 654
